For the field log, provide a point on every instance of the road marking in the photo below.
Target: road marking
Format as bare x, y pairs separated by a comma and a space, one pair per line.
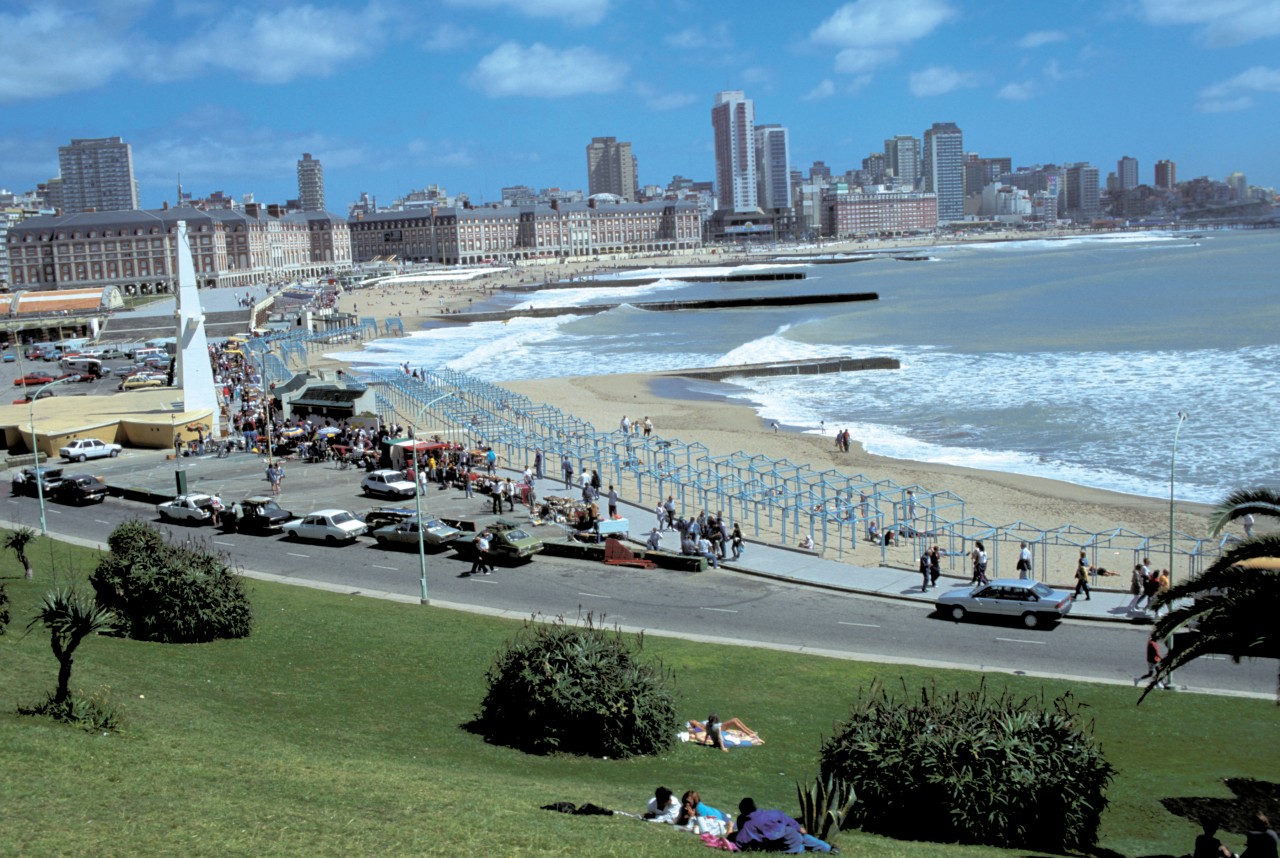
222, 542
12, 501
392, 568
721, 610
863, 625
595, 595
1020, 640
100, 521
291, 554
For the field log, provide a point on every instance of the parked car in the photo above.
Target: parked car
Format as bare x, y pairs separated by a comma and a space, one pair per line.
28, 397
89, 448
1031, 601
327, 525
197, 508
434, 533
111, 354
382, 516
10, 357
80, 489
24, 482
135, 382
33, 379
258, 514
510, 541
386, 483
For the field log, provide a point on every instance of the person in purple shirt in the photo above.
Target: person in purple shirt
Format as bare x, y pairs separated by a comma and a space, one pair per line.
773, 831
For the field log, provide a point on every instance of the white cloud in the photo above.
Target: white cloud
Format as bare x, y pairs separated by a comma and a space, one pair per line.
825, 89
1041, 37
281, 44
573, 12
1017, 91
664, 100
756, 74
447, 37
49, 51
870, 33
692, 38
542, 72
1221, 23
858, 60
939, 80
1236, 93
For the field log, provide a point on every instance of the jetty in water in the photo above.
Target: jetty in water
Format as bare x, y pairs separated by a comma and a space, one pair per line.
587, 283
663, 306
815, 366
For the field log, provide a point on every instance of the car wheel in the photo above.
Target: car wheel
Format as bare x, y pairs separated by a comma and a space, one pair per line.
957, 612
381, 540
81, 458
1030, 620
331, 539
114, 453
291, 534
164, 516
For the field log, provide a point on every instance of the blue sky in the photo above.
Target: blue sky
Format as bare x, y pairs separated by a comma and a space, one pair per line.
478, 94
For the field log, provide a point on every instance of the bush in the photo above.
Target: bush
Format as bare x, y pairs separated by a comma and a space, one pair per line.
973, 769
170, 592
4, 609
92, 713
580, 690
825, 805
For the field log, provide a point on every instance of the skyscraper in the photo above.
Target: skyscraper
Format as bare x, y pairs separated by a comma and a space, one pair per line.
97, 174
942, 164
1083, 195
1166, 175
733, 119
773, 158
903, 156
1127, 172
611, 168
310, 184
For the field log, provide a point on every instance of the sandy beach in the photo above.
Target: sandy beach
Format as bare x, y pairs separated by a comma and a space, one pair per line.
724, 427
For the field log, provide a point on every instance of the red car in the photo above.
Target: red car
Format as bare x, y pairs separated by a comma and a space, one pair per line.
33, 378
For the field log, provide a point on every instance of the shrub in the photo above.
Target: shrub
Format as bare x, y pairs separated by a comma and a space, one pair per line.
580, 690
4, 609
170, 592
93, 713
825, 805
970, 768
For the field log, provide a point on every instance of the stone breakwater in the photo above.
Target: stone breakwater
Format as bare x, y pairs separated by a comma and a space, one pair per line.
663, 306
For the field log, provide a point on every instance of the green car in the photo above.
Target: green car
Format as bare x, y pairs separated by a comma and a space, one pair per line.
510, 541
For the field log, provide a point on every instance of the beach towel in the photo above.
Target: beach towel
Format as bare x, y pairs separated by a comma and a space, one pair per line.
732, 737
717, 842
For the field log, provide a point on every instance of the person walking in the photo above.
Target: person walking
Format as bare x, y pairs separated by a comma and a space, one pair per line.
509, 494
926, 568
935, 566
566, 467
1082, 578
537, 464
481, 562
979, 558
495, 497
735, 540
1153, 664
613, 501
1024, 561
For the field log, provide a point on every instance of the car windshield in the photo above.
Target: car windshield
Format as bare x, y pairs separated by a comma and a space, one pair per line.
342, 518
433, 523
1044, 591
517, 534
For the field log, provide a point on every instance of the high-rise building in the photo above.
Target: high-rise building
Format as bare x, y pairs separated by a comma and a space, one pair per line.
980, 172
1239, 186
773, 167
310, 184
942, 164
733, 119
611, 168
903, 157
1166, 175
1127, 173
1083, 193
97, 174
874, 168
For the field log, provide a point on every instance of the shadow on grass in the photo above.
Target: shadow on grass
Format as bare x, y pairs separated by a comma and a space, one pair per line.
1231, 814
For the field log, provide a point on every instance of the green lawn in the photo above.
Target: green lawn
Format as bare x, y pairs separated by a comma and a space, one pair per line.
338, 728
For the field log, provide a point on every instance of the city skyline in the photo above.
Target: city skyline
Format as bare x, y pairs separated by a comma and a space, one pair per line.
482, 94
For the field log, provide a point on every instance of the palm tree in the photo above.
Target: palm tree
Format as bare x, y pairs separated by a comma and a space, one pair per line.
1233, 602
70, 616
17, 542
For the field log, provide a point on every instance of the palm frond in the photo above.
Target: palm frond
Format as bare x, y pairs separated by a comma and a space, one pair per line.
1260, 501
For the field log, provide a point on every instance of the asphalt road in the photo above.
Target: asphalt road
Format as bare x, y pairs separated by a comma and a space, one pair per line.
716, 605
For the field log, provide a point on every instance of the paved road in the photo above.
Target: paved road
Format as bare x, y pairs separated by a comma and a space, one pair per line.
715, 605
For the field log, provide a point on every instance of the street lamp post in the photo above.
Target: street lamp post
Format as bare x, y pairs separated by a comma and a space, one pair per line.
35, 451
1173, 458
417, 496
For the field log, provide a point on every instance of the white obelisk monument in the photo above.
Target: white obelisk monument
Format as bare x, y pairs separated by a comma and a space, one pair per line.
193, 372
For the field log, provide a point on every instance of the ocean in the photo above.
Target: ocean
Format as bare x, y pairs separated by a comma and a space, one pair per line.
1067, 358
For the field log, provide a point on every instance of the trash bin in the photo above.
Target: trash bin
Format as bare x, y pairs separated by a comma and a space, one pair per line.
180, 479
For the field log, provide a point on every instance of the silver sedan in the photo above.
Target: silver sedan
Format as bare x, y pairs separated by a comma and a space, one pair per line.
1031, 601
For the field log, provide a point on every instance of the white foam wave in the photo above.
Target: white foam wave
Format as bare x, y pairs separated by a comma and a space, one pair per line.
598, 294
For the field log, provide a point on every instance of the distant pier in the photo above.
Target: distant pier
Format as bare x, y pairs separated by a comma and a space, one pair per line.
663, 306
587, 283
816, 366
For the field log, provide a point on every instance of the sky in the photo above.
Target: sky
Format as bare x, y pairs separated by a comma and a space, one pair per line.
475, 95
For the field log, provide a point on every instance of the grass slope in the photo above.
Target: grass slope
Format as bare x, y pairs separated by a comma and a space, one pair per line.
338, 729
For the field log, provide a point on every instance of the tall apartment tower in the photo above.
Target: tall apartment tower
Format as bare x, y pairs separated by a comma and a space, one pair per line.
97, 174
1166, 175
902, 154
310, 184
773, 167
942, 164
1127, 173
1083, 194
733, 119
611, 168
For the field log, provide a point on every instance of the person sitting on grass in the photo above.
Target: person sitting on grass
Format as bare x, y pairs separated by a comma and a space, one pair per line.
702, 818
773, 831
663, 807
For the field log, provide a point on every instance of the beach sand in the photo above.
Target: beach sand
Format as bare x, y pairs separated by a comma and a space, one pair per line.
995, 498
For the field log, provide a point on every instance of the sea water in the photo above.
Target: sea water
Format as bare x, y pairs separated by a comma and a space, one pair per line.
1064, 358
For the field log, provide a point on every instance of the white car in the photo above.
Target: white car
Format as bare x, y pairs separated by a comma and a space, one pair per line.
194, 507
89, 448
327, 525
387, 483
1031, 601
